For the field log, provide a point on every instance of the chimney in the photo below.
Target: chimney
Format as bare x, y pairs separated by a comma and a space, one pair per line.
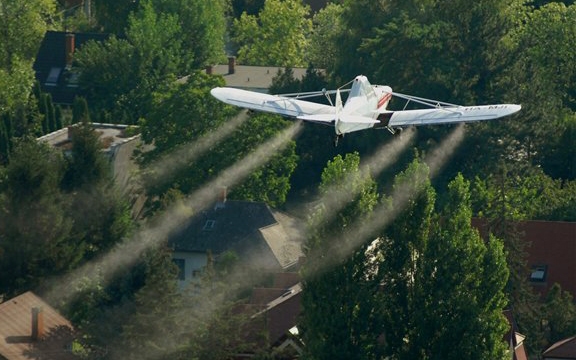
70, 42
231, 65
209, 69
221, 201
37, 324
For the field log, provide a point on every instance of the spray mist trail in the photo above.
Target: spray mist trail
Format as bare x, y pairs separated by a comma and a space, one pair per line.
185, 154
206, 307
383, 215
338, 195
157, 230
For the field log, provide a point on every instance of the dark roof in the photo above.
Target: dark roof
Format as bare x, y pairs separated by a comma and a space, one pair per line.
223, 227
16, 342
51, 61
564, 349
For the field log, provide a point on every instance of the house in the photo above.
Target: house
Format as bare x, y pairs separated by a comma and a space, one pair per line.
551, 253
514, 339
261, 237
118, 144
562, 350
53, 65
273, 312
32, 329
254, 78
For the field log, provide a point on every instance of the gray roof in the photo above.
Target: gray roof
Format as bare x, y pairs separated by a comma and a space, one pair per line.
269, 237
256, 78
225, 225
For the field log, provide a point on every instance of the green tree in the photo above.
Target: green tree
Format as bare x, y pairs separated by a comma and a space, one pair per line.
23, 26
35, 231
326, 26
402, 250
338, 296
278, 36
269, 183
80, 111
203, 27
153, 331
558, 315
185, 114
460, 295
120, 75
112, 15
536, 67
87, 166
182, 113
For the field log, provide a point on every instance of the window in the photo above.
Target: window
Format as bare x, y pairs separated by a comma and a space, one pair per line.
209, 225
538, 273
181, 263
52, 79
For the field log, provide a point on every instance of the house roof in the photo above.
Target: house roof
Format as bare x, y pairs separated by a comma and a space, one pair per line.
255, 78
267, 237
16, 341
550, 246
563, 349
553, 244
514, 338
275, 311
54, 59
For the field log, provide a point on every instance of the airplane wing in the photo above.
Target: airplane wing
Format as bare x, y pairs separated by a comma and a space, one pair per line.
275, 104
446, 115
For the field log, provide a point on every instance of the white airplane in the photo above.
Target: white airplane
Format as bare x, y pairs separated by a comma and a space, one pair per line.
365, 108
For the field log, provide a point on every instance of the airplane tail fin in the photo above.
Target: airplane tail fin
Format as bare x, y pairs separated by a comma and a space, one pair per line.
384, 94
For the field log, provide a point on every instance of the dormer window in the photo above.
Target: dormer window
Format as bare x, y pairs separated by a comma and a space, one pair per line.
538, 273
52, 79
209, 225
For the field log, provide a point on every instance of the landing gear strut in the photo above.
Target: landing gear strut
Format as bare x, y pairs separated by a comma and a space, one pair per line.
338, 137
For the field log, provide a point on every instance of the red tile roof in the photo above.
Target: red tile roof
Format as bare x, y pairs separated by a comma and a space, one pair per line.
16, 342
551, 244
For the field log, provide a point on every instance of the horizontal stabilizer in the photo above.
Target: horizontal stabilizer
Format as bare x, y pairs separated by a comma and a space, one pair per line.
352, 119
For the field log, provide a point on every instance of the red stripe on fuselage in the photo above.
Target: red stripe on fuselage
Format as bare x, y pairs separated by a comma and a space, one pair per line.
383, 100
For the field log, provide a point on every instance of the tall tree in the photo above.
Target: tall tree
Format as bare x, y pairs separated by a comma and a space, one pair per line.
542, 81
558, 315
112, 15
35, 230
327, 25
203, 27
402, 250
23, 26
460, 295
121, 75
278, 36
338, 318
87, 166
153, 331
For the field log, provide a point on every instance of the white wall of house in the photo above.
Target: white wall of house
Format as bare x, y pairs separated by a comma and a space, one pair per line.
193, 264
